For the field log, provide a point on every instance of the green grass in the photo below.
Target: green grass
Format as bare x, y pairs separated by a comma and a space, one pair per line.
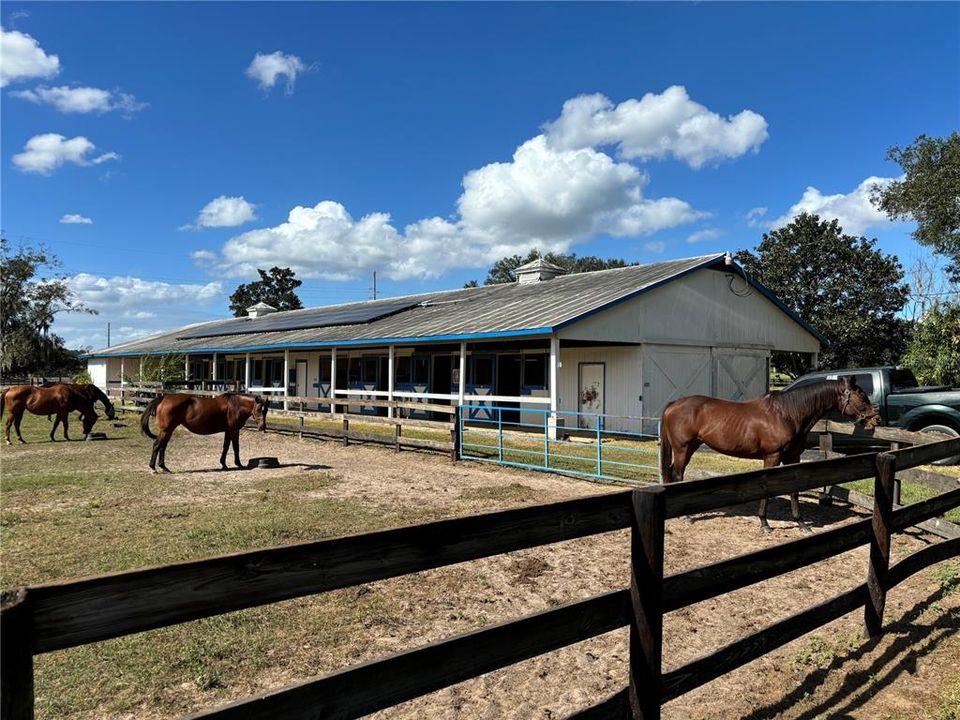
910, 493
83, 508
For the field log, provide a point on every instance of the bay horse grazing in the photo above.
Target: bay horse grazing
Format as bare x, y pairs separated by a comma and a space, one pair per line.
772, 428
225, 413
93, 393
59, 400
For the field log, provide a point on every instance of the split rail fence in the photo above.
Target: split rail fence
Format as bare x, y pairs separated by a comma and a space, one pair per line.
334, 423
52, 617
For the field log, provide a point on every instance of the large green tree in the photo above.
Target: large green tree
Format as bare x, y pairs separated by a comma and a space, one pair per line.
32, 294
502, 271
276, 287
841, 285
934, 350
929, 193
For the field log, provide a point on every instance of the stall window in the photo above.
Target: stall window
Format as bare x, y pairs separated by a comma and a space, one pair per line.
404, 373
355, 371
421, 369
482, 371
535, 371
324, 375
371, 366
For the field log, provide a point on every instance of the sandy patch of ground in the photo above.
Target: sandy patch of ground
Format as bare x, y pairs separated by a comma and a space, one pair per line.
910, 672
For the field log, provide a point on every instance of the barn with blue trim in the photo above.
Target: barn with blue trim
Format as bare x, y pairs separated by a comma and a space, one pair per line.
620, 342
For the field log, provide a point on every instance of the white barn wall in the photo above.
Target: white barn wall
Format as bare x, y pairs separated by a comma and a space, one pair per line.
697, 309
621, 381
97, 368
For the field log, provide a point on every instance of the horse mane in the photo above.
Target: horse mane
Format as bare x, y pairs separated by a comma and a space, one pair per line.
796, 403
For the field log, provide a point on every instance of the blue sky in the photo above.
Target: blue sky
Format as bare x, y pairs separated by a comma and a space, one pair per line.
166, 150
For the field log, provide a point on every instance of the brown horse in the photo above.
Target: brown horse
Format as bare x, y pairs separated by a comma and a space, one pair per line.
59, 400
225, 413
772, 428
93, 393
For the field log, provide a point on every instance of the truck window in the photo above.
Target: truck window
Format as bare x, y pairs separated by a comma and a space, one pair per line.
865, 382
901, 379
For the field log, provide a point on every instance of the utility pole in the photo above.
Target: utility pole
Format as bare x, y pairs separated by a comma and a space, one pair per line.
108, 334
374, 284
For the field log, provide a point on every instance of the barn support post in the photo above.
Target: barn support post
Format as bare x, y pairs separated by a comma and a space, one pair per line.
554, 390
141, 369
213, 367
246, 372
123, 382
286, 377
880, 543
391, 357
646, 598
462, 388
16, 656
186, 367
333, 380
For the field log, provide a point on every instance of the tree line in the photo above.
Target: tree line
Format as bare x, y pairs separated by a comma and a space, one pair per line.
843, 285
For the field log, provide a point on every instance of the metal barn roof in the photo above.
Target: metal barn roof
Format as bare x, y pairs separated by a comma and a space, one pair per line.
507, 310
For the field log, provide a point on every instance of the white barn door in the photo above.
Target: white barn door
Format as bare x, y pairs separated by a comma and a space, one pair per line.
674, 371
740, 376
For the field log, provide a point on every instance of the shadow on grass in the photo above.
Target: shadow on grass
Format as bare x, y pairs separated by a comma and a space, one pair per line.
914, 641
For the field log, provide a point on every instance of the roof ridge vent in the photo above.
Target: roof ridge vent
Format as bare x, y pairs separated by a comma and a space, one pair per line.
260, 309
537, 271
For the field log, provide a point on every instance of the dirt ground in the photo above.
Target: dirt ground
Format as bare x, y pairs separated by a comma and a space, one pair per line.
910, 672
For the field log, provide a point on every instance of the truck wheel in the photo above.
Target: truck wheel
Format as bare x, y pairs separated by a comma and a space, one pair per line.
945, 430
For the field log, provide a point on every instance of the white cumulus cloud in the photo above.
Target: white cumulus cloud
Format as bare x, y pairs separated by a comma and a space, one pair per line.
224, 211
657, 126
76, 220
853, 210
755, 216
82, 99
45, 153
135, 307
705, 234
135, 294
655, 246
266, 69
22, 58
559, 188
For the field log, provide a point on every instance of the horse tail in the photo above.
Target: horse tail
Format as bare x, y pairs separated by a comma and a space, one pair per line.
149, 410
3, 401
666, 450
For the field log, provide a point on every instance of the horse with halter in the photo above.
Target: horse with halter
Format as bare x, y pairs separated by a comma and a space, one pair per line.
59, 400
772, 428
225, 413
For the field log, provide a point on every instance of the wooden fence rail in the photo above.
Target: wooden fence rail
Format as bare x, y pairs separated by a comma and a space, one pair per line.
133, 396
49, 617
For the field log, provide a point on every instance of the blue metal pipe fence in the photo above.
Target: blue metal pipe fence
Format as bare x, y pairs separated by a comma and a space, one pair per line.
569, 442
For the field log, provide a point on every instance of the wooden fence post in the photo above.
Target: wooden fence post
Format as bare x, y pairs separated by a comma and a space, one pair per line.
455, 437
346, 431
880, 543
397, 431
646, 596
16, 656
826, 447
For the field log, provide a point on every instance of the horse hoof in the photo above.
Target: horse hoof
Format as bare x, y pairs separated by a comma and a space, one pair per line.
165, 469
766, 529
806, 528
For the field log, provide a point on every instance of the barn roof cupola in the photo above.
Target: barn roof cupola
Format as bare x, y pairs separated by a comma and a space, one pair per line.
537, 271
260, 309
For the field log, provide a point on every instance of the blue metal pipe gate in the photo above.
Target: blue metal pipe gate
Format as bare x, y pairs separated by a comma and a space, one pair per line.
568, 442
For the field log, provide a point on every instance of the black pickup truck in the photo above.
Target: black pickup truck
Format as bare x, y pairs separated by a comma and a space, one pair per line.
902, 403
